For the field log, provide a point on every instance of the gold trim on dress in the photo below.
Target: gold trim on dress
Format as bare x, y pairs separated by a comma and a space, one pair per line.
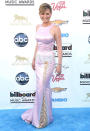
43, 113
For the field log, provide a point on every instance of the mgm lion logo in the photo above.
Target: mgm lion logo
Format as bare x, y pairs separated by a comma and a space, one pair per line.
21, 61
20, 20
87, 95
88, 61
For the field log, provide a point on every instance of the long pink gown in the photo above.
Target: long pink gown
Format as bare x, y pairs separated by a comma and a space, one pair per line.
41, 114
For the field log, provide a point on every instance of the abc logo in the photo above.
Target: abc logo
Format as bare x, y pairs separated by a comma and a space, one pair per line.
21, 39
22, 78
89, 39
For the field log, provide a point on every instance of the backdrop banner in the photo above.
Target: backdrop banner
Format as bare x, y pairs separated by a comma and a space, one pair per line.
18, 20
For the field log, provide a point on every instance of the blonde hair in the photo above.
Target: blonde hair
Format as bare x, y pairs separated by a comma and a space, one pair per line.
43, 8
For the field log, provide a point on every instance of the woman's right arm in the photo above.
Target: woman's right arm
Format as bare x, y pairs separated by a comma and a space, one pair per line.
35, 52
34, 57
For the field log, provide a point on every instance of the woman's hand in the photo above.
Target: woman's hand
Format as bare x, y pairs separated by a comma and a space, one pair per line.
58, 69
33, 64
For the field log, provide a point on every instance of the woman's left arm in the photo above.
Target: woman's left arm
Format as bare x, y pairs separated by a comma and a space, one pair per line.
57, 36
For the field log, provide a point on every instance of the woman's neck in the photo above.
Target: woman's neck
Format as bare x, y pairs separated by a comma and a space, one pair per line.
46, 24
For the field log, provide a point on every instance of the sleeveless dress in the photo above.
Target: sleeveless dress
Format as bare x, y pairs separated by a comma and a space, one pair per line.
41, 114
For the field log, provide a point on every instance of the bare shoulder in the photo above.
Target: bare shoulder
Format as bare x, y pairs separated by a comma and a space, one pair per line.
57, 32
37, 26
56, 28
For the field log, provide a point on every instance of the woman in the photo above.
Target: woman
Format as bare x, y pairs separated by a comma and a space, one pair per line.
44, 63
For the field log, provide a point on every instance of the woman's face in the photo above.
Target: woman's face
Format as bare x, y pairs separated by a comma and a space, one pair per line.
45, 17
